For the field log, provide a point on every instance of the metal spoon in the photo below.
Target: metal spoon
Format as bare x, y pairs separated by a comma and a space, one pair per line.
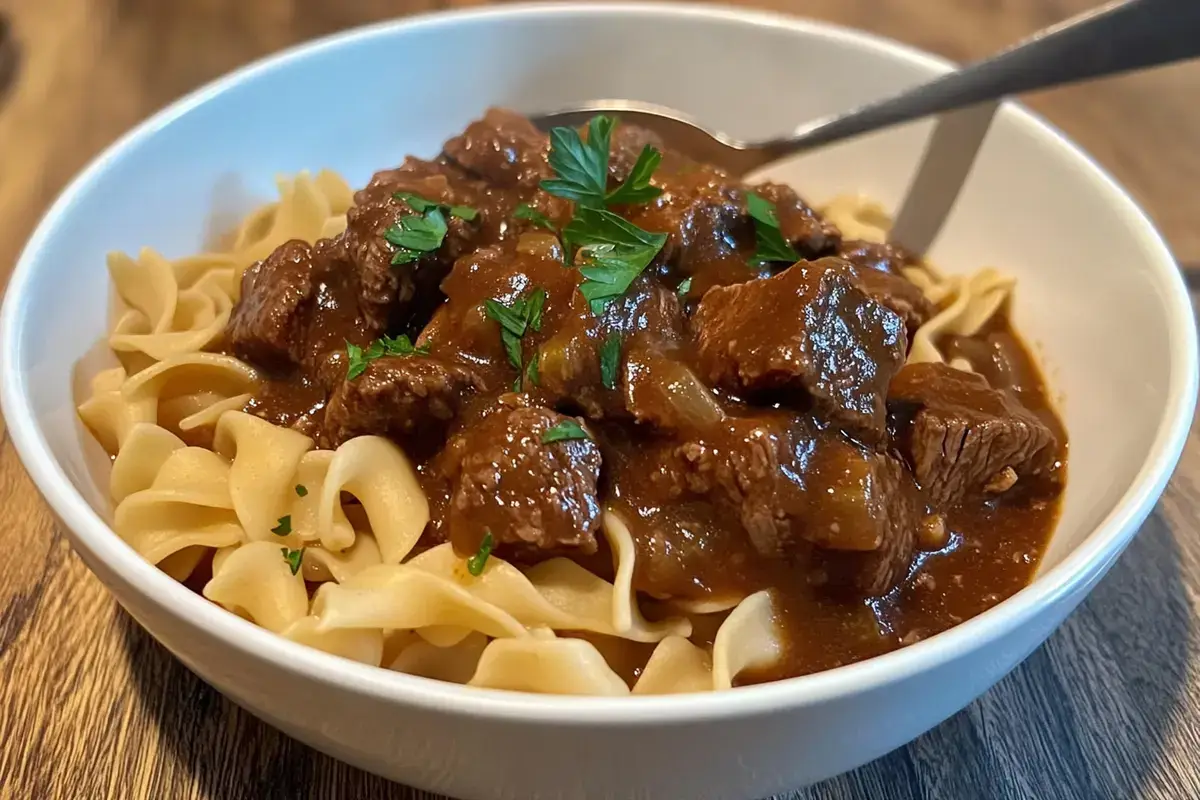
1113, 38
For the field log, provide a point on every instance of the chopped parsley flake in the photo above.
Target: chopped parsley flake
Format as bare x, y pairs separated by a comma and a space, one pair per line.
477, 562
301, 490
293, 558
528, 212
565, 431
284, 527
771, 246
610, 360
525, 313
384, 346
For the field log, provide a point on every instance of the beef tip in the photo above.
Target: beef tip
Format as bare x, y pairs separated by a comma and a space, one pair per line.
703, 213
811, 329
503, 148
403, 294
411, 399
877, 256
749, 464
899, 294
811, 234
528, 493
282, 297
961, 437
862, 518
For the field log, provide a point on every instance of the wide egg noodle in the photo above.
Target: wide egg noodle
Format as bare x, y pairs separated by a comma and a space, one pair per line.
264, 460
362, 645
377, 473
398, 596
187, 505
456, 663
547, 666
308, 208
109, 415
749, 638
257, 581
147, 448
321, 565
675, 667
311, 473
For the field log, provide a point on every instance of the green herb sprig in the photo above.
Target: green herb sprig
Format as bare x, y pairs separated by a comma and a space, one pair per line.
477, 562
515, 319
565, 431
293, 558
771, 246
359, 358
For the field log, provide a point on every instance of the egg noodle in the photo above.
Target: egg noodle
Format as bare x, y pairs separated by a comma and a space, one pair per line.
193, 476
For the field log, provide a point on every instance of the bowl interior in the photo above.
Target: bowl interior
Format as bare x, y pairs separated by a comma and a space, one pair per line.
1095, 292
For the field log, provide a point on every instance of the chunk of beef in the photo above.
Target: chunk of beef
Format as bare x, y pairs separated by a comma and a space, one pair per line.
899, 294
863, 517
703, 213
411, 399
811, 234
397, 295
891, 258
291, 303
961, 437
809, 329
503, 148
647, 318
752, 464
528, 493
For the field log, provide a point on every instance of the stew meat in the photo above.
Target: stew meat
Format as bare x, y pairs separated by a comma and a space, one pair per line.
755, 424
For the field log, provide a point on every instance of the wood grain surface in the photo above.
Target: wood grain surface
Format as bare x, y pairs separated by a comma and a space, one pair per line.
92, 707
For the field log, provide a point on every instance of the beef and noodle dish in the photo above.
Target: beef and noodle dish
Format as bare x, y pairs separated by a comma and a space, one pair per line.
572, 413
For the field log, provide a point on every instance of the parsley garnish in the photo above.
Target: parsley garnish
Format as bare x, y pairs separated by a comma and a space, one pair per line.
416, 234
284, 527
565, 431
477, 562
637, 188
771, 246
532, 370
610, 360
524, 313
582, 168
526, 211
293, 558
301, 490
421, 205
684, 287
613, 250
385, 346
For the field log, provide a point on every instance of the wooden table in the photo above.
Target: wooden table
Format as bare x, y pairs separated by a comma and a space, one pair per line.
92, 707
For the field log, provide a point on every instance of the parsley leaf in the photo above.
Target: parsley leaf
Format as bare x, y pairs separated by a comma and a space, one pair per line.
293, 558
582, 168
771, 246
415, 234
532, 371
358, 361
284, 527
637, 188
301, 490
683, 288
613, 250
610, 360
421, 205
386, 346
528, 212
514, 320
477, 562
565, 431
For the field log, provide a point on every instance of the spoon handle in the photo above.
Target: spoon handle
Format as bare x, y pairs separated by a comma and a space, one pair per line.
1113, 38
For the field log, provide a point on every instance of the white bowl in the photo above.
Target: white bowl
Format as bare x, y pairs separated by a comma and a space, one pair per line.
1098, 292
